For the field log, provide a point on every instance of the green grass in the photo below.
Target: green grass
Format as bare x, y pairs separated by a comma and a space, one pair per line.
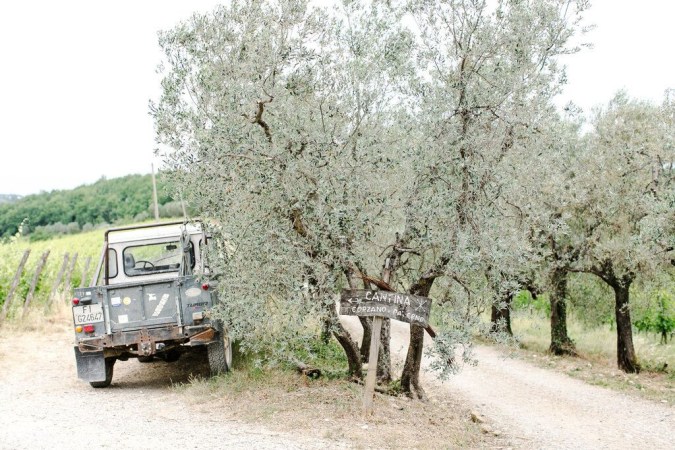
596, 363
533, 332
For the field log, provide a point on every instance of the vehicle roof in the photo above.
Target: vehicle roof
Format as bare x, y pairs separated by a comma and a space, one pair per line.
152, 231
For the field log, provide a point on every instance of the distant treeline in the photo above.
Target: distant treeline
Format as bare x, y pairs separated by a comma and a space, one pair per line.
9, 198
48, 214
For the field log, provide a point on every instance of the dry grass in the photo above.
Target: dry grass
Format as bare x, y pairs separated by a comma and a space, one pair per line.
332, 410
597, 361
41, 319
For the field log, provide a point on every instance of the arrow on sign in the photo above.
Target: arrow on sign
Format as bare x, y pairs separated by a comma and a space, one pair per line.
420, 304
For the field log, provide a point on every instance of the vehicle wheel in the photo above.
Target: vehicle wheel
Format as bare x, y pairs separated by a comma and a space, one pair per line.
220, 355
109, 363
146, 359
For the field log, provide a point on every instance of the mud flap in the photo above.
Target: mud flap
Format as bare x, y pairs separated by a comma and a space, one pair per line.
90, 365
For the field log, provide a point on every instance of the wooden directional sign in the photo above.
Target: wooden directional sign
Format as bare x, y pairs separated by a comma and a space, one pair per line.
404, 307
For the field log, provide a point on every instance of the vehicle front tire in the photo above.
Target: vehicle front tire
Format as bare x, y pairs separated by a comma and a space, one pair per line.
109, 364
220, 355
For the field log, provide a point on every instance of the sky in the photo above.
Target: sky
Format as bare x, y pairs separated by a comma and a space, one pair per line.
77, 77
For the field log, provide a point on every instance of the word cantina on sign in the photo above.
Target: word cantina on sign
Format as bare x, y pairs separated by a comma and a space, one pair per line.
404, 307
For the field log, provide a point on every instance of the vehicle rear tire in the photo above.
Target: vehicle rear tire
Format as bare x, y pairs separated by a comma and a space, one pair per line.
109, 363
220, 355
146, 359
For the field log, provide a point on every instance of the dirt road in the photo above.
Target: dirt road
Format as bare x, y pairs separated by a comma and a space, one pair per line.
43, 405
538, 408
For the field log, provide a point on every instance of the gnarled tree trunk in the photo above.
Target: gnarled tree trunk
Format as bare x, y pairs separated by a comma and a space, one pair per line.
350, 347
410, 378
500, 318
625, 351
561, 344
389, 268
384, 356
367, 324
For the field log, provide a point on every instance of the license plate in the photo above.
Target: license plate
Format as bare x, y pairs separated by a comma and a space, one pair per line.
88, 314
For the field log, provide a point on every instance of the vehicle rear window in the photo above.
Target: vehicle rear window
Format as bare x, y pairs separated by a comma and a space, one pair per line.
112, 263
152, 258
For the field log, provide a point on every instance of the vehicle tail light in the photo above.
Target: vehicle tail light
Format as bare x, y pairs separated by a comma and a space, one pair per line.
205, 286
78, 329
88, 328
76, 301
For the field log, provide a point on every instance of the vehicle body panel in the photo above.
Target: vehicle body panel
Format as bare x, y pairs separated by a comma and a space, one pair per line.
147, 308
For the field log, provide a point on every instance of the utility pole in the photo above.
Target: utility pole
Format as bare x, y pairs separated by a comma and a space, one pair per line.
154, 192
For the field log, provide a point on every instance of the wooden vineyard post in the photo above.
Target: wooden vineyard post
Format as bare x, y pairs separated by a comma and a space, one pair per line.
36, 279
15, 284
85, 270
59, 276
69, 274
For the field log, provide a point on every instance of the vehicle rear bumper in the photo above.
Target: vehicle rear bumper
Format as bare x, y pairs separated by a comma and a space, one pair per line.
143, 342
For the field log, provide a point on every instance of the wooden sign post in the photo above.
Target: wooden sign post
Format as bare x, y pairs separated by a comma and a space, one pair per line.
378, 304
371, 376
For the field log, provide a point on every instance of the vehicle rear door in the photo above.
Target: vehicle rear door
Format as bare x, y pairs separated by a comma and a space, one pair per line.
150, 304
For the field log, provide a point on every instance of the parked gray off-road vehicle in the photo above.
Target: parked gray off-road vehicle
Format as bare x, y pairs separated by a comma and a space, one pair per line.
146, 302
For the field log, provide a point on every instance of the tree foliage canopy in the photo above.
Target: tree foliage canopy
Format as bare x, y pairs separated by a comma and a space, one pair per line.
321, 140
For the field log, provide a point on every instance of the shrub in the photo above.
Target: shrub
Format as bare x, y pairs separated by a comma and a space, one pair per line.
661, 321
523, 300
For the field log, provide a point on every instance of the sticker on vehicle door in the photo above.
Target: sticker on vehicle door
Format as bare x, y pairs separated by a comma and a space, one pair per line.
160, 305
193, 292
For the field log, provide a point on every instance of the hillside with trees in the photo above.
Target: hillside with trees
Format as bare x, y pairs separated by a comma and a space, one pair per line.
66, 211
8, 198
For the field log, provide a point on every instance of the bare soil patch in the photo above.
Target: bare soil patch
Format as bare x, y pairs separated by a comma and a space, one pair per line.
44, 405
332, 410
541, 408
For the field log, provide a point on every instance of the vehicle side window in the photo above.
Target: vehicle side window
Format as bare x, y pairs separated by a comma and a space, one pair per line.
112, 263
192, 256
188, 262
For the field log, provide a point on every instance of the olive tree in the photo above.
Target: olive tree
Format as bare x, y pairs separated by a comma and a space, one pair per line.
623, 215
281, 127
315, 140
487, 74
543, 188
